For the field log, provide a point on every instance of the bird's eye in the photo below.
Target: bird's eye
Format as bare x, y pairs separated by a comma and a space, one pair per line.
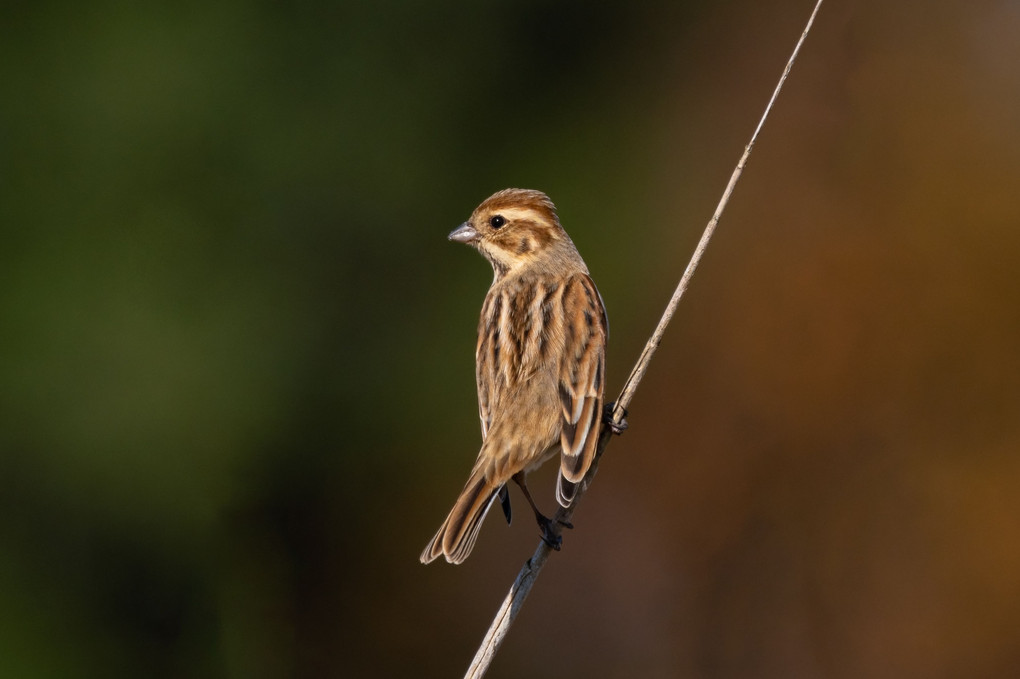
497, 221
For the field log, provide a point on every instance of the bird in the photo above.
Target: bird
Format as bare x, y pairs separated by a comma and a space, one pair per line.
540, 364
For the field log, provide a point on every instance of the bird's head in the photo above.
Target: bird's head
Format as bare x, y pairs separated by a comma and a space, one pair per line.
513, 229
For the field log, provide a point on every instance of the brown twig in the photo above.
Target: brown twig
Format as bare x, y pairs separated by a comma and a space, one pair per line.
616, 417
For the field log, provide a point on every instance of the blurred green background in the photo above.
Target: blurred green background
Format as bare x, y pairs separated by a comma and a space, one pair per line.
236, 347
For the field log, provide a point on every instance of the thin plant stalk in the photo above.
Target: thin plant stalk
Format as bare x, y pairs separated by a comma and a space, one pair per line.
616, 414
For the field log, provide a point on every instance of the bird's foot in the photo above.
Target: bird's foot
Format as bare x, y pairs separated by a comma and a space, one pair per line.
614, 426
549, 535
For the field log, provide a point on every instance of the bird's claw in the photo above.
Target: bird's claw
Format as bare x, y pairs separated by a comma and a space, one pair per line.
614, 426
549, 536
553, 541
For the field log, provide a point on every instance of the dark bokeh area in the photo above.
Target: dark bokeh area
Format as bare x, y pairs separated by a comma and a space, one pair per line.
236, 348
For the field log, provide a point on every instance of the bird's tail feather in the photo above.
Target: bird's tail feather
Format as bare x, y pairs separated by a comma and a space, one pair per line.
456, 537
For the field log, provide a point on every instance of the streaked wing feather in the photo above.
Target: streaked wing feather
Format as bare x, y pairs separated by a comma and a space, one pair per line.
581, 381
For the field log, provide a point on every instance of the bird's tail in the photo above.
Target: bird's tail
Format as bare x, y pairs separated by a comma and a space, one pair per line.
456, 537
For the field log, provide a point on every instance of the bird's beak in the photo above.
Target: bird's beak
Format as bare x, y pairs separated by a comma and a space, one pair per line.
465, 233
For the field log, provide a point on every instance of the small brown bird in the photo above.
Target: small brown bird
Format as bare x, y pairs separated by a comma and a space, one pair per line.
540, 363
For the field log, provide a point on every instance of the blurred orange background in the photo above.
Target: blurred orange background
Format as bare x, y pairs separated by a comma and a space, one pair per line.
236, 348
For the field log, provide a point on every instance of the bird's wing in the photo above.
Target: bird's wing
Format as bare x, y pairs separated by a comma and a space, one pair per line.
581, 381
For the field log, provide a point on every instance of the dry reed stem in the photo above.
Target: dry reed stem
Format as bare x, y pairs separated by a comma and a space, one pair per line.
514, 600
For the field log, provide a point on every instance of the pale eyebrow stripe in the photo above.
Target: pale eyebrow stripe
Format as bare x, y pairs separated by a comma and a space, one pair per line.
520, 213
